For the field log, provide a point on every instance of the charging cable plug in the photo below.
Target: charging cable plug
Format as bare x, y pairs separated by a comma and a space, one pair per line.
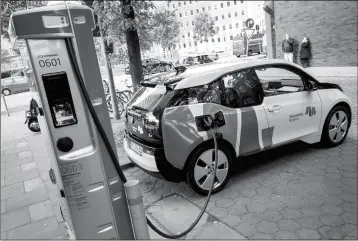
208, 122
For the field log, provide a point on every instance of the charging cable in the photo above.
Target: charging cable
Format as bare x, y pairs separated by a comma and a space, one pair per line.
103, 135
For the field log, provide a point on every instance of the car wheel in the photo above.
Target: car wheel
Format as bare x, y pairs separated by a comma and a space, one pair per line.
336, 126
250, 53
238, 56
6, 92
199, 172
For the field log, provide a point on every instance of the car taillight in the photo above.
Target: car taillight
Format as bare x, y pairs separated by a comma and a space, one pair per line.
152, 125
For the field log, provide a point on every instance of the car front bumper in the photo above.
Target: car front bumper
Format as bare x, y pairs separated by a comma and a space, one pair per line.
152, 161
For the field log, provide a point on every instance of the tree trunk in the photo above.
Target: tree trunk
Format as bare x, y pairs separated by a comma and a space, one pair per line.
112, 87
135, 60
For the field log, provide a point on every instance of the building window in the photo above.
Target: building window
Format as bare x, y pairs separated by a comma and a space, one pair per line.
180, 15
228, 4
237, 25
242, 12
189, 44
183, 36
219, 40
209, 8
223, 27
212, 40
223, 17
230, 26
187, 24
179, 4
235, 14
184, 3
224, 39
242, 1
190, 2
192, 23
229, 15
203, 9
186, 13
195, 43
191, 12
235, 2
215, 6
216, 18
197, 11
181, 25
173, 5
222, 5
188, 34
243, 23
231, 37
184, 46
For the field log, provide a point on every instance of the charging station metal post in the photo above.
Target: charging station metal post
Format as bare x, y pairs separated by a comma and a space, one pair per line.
93, 190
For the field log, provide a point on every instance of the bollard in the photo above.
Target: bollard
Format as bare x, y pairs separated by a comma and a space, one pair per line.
136, 209
3, 99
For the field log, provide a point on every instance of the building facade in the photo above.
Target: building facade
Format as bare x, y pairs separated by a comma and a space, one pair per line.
331, 27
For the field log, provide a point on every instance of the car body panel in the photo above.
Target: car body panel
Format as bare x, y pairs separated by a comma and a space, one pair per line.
15, 84
246, 130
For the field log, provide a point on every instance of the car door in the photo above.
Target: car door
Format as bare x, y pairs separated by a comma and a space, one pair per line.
252, 132
293, 112
21, 83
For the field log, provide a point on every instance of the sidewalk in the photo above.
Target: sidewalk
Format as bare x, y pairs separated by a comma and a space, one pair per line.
29, 207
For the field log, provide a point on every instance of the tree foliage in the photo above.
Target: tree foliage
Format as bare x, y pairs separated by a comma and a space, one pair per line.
204, 27
113, 24
10, 6
166, 28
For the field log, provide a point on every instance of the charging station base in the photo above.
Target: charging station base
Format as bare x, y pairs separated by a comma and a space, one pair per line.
174, 213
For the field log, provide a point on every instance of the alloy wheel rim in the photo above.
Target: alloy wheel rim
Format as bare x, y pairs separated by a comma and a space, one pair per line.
338, 126
204, 169
6, 92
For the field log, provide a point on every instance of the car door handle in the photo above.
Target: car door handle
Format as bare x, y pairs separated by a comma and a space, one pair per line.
274, 108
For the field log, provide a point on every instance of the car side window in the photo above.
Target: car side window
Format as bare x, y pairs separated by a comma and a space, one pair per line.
278, 80
242, 89
210, 93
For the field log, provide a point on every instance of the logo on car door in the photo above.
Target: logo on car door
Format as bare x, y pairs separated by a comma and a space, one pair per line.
311, 111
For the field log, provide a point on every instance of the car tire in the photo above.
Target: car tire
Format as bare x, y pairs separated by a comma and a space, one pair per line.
238, 56
335, 124
249, 53
6, 92
195, 168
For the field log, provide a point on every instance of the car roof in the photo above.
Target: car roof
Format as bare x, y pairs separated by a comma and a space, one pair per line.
207, 74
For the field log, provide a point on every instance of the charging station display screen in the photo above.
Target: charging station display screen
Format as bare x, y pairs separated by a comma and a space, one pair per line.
59, 98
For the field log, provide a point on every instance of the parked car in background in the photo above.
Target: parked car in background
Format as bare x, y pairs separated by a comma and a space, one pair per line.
13, 83
194, 60
153, 66
239, 46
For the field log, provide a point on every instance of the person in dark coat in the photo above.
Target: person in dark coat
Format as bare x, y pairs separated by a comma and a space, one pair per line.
305, 52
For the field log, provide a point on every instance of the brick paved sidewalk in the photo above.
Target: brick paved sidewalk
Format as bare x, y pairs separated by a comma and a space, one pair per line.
29, 207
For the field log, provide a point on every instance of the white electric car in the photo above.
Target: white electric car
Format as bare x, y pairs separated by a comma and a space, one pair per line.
262, 104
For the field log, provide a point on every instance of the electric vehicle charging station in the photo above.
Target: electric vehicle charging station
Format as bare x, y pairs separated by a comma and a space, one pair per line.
61, 48
75, 119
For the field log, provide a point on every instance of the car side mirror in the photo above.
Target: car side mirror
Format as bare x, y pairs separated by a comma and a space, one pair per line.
180, 69
312, 86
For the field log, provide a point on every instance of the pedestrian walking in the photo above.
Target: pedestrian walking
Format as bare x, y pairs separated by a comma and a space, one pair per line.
287, 48
305, 52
